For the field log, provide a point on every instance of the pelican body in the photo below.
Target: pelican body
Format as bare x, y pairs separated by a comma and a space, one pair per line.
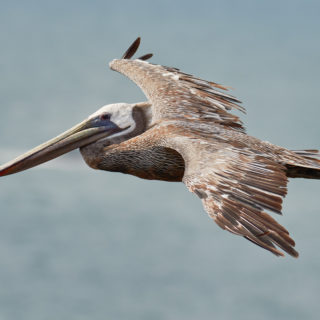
185, 132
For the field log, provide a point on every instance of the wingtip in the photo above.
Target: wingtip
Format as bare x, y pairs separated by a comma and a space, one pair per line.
293, 253
132, 49
146, 57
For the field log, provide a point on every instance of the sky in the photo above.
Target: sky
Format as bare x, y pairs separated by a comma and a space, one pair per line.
83, 244
266, 51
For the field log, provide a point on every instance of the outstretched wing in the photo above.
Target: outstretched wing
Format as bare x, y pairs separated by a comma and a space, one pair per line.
237, 185
238, 196
175, 94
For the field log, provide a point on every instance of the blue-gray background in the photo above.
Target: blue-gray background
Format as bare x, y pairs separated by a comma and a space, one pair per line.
80, 244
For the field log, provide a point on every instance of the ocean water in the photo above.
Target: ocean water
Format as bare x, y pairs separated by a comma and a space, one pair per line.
76, 243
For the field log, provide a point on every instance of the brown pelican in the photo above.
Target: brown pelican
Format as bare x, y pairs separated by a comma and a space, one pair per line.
185, 132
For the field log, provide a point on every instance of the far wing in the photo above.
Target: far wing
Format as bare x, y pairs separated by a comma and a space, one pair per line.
175, 94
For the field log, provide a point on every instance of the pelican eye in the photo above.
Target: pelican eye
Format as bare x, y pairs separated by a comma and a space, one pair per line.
105, 116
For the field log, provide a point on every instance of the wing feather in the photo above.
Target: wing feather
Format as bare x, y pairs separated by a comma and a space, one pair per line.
238, 193
175, 94
237, 185
132, 49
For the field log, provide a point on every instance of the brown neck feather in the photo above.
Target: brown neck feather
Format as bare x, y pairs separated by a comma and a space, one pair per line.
135, 153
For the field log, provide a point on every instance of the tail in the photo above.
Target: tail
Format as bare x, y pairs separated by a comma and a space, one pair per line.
308, 167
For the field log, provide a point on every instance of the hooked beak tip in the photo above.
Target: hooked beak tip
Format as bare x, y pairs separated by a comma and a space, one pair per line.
4, 172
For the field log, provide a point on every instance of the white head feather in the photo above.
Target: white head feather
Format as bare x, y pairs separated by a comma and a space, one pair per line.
121, 115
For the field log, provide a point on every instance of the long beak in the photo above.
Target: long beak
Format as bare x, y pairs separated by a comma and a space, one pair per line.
80, 135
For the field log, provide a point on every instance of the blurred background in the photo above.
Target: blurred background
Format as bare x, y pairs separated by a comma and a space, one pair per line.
81, 244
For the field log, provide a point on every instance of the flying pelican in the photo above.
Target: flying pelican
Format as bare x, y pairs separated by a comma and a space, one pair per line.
185, 132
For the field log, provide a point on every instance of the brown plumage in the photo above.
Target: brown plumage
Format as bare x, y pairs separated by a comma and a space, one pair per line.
238, 177
185, 132
132, 49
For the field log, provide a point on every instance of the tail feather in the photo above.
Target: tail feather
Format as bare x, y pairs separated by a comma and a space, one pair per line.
309, 168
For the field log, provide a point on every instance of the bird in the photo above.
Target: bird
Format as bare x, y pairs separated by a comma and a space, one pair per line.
186, 131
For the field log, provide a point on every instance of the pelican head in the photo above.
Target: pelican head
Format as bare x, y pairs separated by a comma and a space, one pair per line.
112, 123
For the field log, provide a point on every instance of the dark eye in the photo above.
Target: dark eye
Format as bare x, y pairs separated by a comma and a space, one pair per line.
105, 116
